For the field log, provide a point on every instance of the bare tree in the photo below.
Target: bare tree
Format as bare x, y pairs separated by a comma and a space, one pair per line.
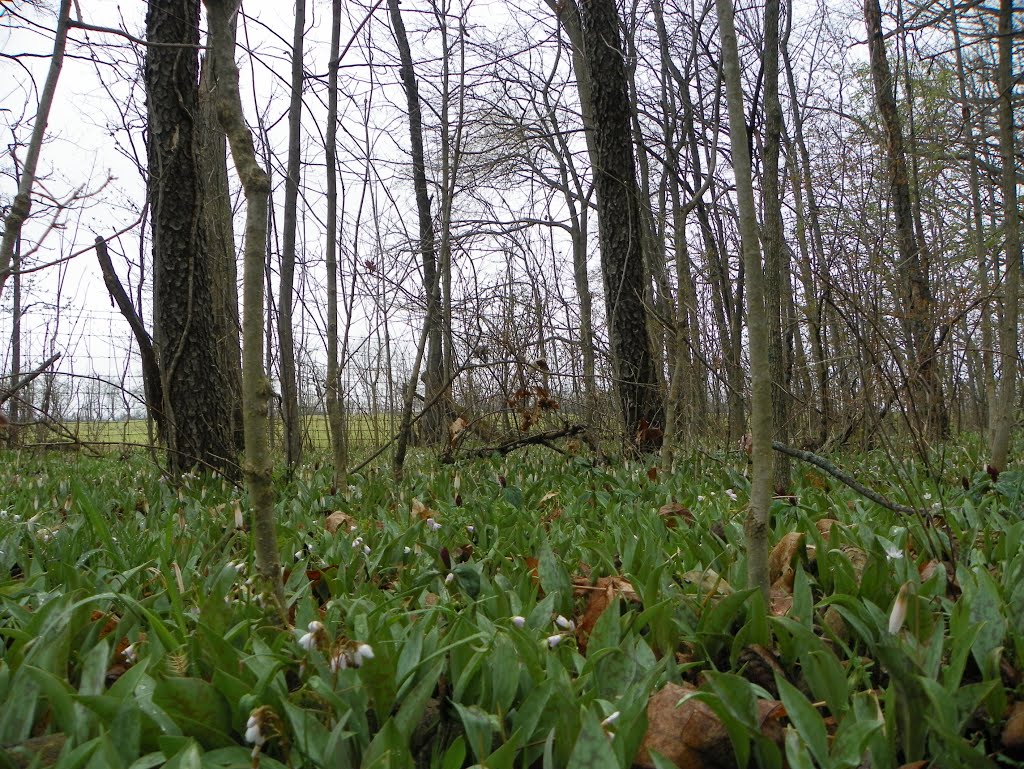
756, 525
286, 289
255, 384
1002, 417
620, 226
21, 206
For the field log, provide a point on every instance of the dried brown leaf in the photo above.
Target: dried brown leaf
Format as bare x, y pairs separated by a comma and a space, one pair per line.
785, 552
691, 735
672, 512
339, 521
1013, 732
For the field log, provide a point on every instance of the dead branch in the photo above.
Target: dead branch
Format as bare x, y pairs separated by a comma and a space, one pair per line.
846, 478
536, 439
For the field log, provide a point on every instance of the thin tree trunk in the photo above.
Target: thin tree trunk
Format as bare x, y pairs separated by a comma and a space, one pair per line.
21, 206
220, 240
775, 254
1002, 418
756, 525
286, 291
434, 427
335, 408
987, 392
256, 390
924, 390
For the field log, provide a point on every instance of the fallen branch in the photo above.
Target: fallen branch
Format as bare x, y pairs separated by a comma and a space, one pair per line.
849, 480
536, 439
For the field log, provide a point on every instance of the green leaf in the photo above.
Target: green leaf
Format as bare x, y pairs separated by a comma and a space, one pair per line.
197, 707
468, 578
455, 756
388, 750
592, 749
553, 577
480, 727
805, 718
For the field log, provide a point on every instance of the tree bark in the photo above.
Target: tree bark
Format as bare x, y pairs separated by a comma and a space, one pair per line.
286, 291
255, 385
756, 525
220, 235
620, 227
195, 403
1002, 417
775, 254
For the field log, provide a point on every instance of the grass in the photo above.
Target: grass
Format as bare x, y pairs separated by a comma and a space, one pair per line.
134, 636
364, 430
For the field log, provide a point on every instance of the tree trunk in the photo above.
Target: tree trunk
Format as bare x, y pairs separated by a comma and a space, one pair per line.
286, 291
924, 389
195, 399
619, 227
756, 526
255, 385
1002, 417
434, 427
775, 255
218, 221
335, 407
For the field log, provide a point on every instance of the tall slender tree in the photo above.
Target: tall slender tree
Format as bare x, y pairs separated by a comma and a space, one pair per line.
286, 289
924, 388
756, 526
1002, 417
255, 384
433, 422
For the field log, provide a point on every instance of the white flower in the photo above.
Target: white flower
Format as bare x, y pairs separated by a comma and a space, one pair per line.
311, 639
357, 542
731, 494
448, 580
407, 550
457, 483
339, 662
565, 624
252, 731
471, 529
519, 621
299, 554
893, 553
554, 640
432, 524
611, 719
899, 609
363, 652
130, 654
701, 497
366, 549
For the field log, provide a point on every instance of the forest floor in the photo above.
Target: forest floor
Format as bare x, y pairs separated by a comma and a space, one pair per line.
533, 610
